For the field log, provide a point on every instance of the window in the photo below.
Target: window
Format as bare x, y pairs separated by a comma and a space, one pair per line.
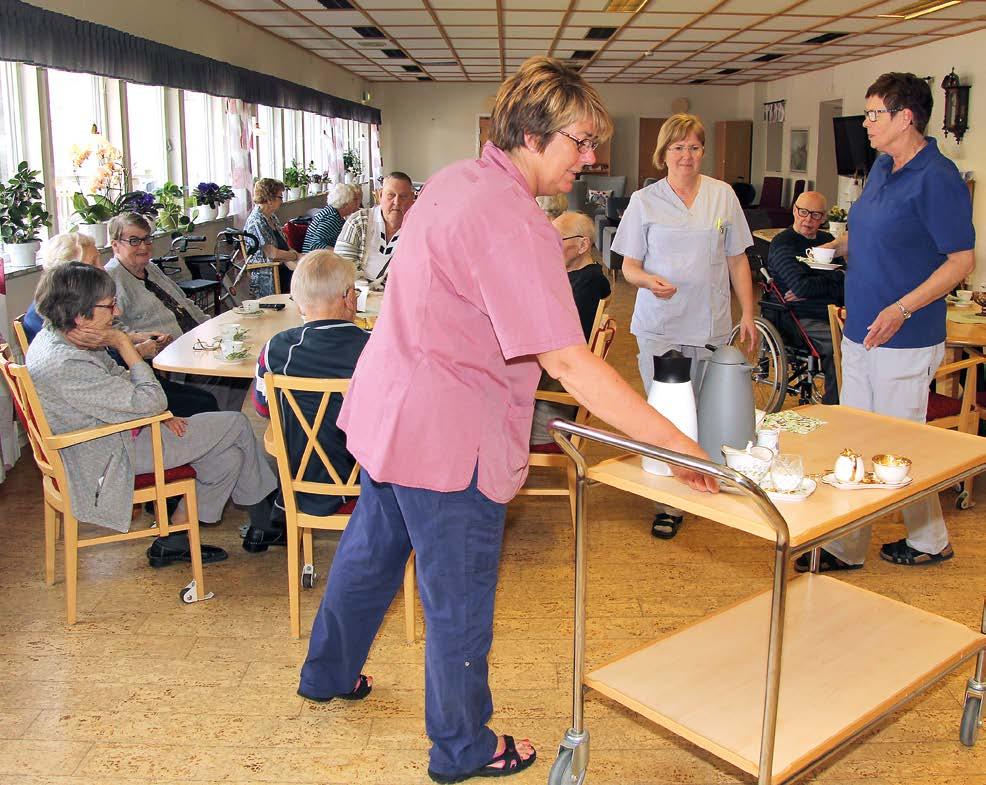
148, 146
85, 158
206, 150
293, 139
268, 144
11, 127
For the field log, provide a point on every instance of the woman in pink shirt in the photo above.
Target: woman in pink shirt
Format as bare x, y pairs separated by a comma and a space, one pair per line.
439, 411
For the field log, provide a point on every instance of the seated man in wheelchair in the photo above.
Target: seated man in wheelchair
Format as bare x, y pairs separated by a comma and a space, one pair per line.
807, 292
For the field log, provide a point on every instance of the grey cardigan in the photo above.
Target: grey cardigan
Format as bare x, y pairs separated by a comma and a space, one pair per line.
142, 311
79, 388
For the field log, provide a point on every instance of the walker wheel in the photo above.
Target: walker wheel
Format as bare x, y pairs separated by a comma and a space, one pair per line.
308, 581
561, 770
187, 595
971, 720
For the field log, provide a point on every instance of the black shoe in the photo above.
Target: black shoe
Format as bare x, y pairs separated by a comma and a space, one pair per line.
665, 526
162, 553
259, 540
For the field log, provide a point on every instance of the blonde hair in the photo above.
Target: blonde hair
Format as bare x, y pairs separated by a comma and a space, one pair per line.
540, 99
65, 247
553, 206
676, 128
267, 189
320, 277
579, 223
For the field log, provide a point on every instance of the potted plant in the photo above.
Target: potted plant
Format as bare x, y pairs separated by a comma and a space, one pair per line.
226, 196
207, 200
171, 210
293, 181
101, 164
22, 214
93, 215
140, 202
353, 165
837, 220
314, 179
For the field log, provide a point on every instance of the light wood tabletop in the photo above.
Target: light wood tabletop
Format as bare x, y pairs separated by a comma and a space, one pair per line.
181, 356
960, 334
937, 455
767, 234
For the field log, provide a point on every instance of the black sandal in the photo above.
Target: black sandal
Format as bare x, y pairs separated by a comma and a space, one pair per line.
363, 688
665, 526
901, 553
827, 563
512, 764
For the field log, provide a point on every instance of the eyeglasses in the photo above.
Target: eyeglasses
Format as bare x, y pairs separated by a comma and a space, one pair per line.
874, 114
680, 149
816, 215
133, 242
111, 306
585, 145
573, 237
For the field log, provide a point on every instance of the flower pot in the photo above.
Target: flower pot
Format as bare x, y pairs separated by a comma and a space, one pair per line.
22, 254
348, 178
97, 232
223, 210
206, 213
837, 228
293, 193
314, 188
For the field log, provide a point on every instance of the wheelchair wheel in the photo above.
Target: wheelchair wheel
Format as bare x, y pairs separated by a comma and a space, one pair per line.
770, 365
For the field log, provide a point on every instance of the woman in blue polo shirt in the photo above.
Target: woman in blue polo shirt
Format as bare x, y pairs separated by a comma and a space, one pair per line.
910, 243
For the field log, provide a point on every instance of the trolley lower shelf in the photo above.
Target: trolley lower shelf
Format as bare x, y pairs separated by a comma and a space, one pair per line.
849, 657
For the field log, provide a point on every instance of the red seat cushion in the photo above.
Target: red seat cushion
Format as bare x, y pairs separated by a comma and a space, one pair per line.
295, 233
347, 508
942, 406
546, 449
185, 472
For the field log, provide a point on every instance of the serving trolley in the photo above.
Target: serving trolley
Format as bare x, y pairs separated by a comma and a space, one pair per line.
779, 682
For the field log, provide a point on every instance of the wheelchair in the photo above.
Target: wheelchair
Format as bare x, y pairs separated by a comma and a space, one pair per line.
785, 360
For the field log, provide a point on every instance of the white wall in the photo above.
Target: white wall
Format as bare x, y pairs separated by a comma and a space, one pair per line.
206, 30
849, 82
429, 125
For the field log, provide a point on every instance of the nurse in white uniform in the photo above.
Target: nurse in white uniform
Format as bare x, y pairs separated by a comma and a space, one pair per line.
683, 241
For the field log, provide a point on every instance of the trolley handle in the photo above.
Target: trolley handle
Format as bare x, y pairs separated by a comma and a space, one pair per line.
563, 430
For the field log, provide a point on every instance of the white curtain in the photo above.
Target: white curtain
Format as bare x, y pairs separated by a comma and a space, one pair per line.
10, 449
337, 142
376, 154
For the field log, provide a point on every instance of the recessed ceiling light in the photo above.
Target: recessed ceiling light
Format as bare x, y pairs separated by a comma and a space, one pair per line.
767, 57
412, 69
334, 5
624, 6
919, 9
730, 71
582, 54
824, 38
599, 33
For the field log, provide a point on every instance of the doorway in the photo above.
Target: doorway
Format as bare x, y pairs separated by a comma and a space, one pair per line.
650, 127
826, 172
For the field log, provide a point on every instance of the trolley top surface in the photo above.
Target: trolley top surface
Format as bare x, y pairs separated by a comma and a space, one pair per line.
937, 455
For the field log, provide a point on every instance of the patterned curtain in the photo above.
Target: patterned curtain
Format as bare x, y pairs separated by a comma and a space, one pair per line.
239, 142
333, 158
376, 154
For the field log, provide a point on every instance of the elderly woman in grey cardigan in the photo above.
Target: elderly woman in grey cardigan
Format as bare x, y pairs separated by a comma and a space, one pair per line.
82, 387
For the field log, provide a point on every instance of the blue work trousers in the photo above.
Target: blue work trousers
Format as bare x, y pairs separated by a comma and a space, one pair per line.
456, 538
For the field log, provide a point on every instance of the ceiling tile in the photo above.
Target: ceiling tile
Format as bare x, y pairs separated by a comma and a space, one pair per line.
729, 21
456, 31
336, 18
412, 31
759, 36
485, 5
271, 18
913, 26
651, 34
302, 32
663, 20
533, 18
545, 32
968, 27
807, 23
832, 7
372, 5
256, 5
466, 17
755, 6
598, 19
520, 5
388, 18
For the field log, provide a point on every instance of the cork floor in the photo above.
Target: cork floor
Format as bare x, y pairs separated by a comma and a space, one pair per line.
144, 690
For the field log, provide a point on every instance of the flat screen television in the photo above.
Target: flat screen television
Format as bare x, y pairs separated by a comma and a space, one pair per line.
853, 154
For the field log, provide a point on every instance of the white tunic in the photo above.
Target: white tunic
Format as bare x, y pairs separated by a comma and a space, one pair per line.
688, 248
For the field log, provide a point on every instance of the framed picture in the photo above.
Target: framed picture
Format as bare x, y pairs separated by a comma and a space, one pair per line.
799, 150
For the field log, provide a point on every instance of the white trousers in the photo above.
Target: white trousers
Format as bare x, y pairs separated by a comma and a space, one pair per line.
892, 382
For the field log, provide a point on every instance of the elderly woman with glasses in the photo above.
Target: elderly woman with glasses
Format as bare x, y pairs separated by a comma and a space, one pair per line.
683, 241
262, 223
81, 386
910, 243
439, 411
150, 302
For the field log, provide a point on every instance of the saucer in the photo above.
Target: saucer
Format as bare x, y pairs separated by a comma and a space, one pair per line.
830, 479
249, 314
823, 265
961, 304
806, 489
235, 361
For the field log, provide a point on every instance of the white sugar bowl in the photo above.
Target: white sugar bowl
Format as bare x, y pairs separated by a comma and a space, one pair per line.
849, 467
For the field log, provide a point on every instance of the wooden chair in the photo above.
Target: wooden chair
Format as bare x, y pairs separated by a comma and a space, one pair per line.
550, 455
299, 524
20, 334
155, 487
959, 412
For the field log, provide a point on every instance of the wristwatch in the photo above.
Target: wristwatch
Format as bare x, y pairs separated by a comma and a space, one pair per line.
904, 312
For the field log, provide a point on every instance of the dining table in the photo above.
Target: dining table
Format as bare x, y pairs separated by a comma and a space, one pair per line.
775, 684
196, 352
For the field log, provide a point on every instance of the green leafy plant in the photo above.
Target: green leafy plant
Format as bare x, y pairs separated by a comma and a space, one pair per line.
292, 176
207, 194
352, 163
97, 211
22, 211
837, 214
171, 213
226, 194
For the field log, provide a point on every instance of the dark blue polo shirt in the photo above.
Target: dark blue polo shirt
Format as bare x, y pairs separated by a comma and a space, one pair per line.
900, 231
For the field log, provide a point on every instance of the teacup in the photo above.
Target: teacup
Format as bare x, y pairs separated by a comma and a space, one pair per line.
228, 348
769, 438
753, 462
250, 306
229, 329
362, 292
891, 469
821, 254
964, 295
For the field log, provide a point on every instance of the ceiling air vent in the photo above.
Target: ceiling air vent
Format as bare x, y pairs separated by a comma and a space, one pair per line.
729, 71
369, 32
824, 38
766, 58
599, 33
335, 5
412, 69
582, 54
398, 54
424, 79
698, 81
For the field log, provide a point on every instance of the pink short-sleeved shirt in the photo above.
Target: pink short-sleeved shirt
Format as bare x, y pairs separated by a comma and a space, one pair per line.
477, 288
